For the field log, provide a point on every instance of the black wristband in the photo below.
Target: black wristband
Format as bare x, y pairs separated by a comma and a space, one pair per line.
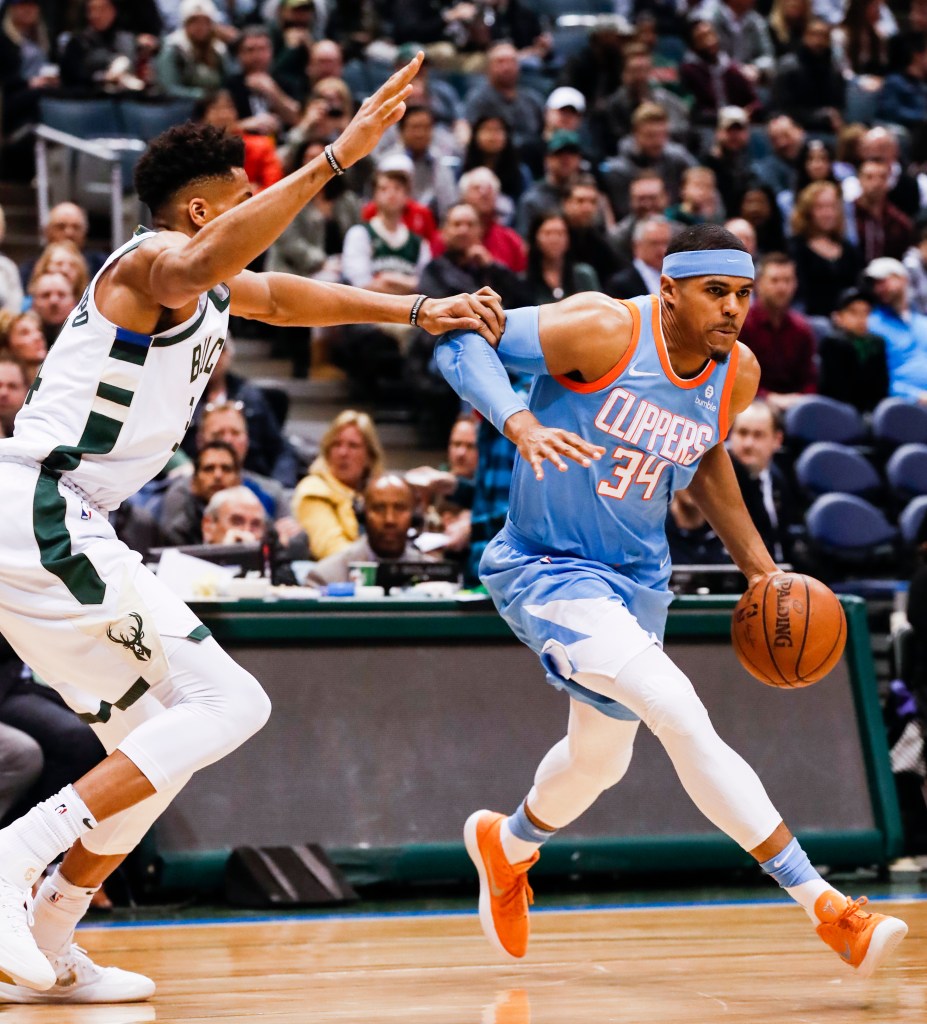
333, 160
416, 306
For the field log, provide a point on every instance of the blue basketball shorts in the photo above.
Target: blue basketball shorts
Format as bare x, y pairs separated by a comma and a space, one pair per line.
577, 615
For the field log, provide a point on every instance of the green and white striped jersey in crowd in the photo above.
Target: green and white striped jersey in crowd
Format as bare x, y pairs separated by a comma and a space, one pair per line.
109, 406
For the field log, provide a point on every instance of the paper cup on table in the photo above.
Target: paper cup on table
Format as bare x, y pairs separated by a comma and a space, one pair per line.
363, 574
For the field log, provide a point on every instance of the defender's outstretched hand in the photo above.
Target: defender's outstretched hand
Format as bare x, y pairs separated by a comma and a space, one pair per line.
480, 311
535, 443
384, 108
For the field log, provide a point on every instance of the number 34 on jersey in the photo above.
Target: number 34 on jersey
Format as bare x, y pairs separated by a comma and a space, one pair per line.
654, 437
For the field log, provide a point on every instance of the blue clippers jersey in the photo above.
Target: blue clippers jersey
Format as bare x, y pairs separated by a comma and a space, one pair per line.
654, 425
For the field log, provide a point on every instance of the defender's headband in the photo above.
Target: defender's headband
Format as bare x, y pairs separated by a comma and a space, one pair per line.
709, 262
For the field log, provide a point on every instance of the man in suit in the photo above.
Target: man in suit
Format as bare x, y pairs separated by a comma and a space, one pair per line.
755, 438
651, 238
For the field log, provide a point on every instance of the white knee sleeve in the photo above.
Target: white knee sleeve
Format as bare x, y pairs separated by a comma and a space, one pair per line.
670, 702
719, 782
212, 705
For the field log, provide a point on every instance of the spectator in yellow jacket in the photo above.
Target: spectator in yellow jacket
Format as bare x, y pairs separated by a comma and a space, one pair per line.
326, 500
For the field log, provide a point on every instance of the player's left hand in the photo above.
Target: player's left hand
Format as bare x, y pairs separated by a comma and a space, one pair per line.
480, 311
537, 443
377, 113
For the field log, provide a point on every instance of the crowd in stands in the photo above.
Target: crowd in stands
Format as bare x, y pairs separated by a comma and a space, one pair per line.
539, 156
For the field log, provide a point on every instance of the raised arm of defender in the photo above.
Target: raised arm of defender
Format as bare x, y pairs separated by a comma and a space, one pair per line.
186, 267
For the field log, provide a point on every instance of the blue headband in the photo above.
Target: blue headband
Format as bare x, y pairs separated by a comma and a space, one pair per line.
707, 262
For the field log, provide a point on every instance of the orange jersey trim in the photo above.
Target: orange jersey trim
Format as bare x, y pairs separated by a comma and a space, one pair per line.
616, 371
660, 342
724, 424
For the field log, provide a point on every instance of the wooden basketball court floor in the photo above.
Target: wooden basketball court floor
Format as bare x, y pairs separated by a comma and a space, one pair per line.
700, 964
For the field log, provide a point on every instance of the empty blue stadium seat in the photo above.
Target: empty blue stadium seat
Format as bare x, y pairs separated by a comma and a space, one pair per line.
558, 8
827, 468
896, 421
87, 119
906, 471
146, 120
816, 418
849, 528
911, 519
569, 40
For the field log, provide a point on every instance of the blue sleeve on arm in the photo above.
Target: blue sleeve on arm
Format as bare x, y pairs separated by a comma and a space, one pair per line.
520, 347
472, 368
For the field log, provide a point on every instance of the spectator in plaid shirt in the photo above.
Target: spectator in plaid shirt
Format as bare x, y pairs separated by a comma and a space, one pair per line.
493, 480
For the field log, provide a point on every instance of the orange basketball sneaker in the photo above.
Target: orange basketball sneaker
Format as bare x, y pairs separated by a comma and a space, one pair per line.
504, 890
862, 940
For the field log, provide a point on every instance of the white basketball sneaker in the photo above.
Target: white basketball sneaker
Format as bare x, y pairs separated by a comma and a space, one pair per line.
79, 980
20, 958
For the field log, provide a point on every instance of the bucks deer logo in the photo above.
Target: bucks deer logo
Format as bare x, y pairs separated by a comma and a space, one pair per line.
131, 638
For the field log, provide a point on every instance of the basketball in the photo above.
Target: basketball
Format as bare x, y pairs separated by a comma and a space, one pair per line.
789, 630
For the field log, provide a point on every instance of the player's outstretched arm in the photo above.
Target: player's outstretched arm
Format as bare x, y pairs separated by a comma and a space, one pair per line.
717, 492
289, 301
226, 245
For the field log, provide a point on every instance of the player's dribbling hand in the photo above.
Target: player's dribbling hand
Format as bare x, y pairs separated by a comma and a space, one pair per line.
537, 443
480, 311
757, 577
377, 113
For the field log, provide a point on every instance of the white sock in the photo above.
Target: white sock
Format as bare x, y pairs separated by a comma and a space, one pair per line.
516, 850
33, 841
59, 906
807, 894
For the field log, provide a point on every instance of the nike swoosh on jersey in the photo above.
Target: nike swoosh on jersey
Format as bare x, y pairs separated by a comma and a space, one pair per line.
634, 372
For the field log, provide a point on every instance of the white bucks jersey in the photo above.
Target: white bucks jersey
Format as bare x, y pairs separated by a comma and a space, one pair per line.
109, 406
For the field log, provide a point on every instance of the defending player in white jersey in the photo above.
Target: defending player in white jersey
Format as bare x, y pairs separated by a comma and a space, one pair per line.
112, 400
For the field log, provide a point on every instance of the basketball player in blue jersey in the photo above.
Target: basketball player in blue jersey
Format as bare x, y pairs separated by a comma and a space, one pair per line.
113, 399
641, 395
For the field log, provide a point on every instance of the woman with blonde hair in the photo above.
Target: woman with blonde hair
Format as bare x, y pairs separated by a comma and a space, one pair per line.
23, 338
325, 501
787, 22
63, 258
825, 261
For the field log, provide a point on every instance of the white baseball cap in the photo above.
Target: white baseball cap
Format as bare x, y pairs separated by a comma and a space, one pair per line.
885, 266
566, 96
732, 115
197, 8
397, 162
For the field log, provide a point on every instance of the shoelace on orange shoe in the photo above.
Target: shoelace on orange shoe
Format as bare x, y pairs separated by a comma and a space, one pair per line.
510, 904
845, 918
